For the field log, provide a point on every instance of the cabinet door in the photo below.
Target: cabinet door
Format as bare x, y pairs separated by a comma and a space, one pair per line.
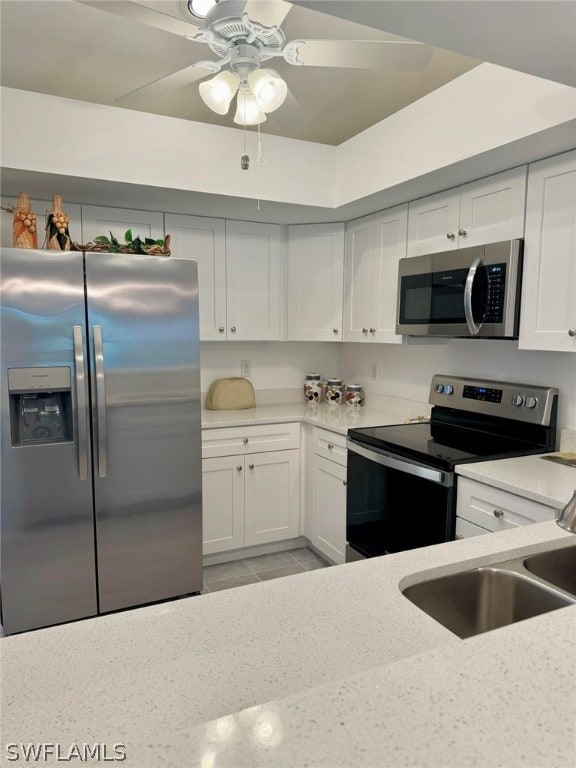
433, 223
549, 281
492, 209
390, 233
196, 237
358, 279
222, 504
41, 208
98, 220
315, 282
271, 497
253, 281
329, 509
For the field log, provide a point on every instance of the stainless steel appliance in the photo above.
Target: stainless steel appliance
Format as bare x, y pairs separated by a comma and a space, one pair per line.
401, 481
470, 292
101, 453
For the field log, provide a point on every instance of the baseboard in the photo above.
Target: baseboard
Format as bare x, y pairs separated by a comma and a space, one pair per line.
259, 549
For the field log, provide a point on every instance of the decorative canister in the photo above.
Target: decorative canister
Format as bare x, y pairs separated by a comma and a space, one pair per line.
354, 395
24, 234
313, 387
334, 392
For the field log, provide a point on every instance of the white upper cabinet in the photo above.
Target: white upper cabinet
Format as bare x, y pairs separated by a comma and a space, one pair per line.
374, 246
484, 211
98, 220
359, 279
390, 228
253, 258
204, 239
315, 278
548, 310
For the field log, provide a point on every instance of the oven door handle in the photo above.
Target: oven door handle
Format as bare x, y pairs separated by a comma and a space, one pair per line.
393, 462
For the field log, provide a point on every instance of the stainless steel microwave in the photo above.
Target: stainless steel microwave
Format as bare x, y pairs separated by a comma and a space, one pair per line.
470, 292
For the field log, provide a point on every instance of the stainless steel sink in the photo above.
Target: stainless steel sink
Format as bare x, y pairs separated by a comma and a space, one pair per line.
482, 599
557, 566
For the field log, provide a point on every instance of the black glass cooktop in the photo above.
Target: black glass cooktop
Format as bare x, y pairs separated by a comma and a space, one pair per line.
441, 446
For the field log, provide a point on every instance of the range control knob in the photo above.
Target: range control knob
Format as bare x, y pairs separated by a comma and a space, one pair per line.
531, 402
517, 400
439, 388
448, 389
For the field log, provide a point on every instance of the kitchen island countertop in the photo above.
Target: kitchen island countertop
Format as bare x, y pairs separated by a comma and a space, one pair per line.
354, 673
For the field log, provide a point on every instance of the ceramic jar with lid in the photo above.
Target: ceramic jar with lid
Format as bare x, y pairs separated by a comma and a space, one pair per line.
334, 391
313, 388
354, 395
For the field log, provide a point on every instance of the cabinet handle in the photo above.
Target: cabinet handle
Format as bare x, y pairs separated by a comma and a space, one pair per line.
459, 536
330, 447
245, 440
239, 468
233, 329
372, 330
364, 330
462, 232
344, 482
450, 235
572, 332
334, 330
498, 513
250, 466
221, 329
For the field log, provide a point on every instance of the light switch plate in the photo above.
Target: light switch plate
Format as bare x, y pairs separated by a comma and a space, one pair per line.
374, 372
246, 368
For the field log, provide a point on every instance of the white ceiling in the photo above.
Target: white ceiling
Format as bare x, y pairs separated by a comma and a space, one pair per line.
533, 36
63, 48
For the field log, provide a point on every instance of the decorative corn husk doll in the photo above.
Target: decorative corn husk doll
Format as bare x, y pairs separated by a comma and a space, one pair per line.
24, 232
57, 227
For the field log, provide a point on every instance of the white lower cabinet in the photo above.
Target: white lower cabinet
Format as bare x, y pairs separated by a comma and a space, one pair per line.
249, 498
490, 509
326, 501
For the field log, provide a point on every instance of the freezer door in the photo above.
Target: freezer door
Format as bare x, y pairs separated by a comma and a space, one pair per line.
48, 561
145, 372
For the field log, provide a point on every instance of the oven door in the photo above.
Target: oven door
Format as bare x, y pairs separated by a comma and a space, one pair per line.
394, 504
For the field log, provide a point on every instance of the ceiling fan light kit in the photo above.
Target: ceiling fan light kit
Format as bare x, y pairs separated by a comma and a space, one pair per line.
247, 111
218, 92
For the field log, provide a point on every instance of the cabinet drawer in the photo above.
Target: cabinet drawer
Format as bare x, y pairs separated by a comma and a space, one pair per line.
330, 445
229, 441
497, 510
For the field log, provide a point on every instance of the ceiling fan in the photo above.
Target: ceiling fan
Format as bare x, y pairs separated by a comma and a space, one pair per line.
245, 34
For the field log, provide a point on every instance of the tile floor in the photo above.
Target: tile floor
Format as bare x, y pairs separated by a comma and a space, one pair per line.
252, 569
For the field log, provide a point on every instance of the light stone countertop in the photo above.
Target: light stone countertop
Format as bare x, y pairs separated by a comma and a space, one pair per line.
371, 680
338, 418
529, 476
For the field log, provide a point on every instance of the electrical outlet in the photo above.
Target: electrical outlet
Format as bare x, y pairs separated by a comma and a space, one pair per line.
374, 372
246, 368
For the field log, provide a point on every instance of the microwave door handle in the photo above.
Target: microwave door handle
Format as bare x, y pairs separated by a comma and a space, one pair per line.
100, 400
473, 327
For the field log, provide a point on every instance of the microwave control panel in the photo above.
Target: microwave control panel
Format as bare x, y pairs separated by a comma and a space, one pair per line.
496, 289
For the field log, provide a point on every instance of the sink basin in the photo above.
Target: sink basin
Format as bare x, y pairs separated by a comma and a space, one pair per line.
558, 566
483, 599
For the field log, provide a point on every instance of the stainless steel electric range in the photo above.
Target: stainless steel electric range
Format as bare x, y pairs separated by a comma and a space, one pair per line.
401, 480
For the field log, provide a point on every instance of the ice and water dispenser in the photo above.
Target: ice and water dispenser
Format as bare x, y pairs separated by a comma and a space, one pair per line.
40, 405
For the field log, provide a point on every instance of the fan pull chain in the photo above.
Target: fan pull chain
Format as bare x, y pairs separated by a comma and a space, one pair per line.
245, 159
259, 161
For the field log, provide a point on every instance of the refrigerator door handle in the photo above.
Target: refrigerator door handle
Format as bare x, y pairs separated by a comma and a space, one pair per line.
81, 402
100, 399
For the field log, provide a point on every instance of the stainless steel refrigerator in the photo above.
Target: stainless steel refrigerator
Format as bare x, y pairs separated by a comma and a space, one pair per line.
101, 455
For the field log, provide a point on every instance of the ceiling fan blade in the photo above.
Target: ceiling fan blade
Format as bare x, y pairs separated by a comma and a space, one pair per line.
146, 93
269, 13
360, 54
143, 14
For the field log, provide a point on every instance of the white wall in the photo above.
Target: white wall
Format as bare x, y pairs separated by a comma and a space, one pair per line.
275, 365
50, 134
482, 109
406, 370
